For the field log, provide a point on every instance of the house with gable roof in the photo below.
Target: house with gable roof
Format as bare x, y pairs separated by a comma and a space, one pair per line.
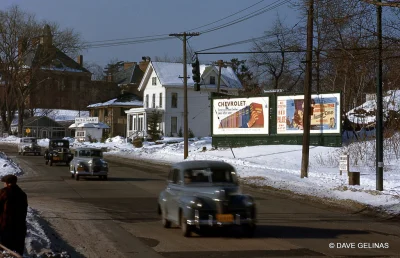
112, 112
163, 91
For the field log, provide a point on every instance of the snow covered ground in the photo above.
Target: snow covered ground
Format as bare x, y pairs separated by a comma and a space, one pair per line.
274, 165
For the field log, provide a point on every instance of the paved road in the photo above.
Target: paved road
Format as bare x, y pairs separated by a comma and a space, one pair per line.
117, 218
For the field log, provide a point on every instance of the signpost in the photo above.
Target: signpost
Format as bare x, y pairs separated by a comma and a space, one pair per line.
28, 131
344, 163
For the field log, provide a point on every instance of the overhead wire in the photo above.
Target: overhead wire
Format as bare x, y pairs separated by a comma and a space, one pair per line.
160, 37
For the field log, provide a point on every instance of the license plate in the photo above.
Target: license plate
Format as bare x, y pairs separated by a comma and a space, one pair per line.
56, 158
224, 217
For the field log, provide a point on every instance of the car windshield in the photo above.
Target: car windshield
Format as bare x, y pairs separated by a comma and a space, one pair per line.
91, 153
210, 175
29, 140
56, 144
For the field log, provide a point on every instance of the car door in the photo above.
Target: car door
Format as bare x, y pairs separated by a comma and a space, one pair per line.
173, 191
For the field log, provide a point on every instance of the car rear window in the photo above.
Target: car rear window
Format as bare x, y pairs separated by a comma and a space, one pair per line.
210, 175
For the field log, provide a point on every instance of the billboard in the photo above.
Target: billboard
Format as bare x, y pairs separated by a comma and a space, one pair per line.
325, 114
86, 120
240, 116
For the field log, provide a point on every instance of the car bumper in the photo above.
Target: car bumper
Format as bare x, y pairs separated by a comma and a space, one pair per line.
101, 173
213, 222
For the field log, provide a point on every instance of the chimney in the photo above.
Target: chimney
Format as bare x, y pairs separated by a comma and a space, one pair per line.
22, 44
128, 64
144, 63
80, 60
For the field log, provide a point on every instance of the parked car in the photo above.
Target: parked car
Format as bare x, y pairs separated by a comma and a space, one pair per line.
88, 162
58, 152
28, 145
202, 194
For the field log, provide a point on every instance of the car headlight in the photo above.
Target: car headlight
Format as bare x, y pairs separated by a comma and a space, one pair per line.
248, 201
196, 204
90, 162
105, 164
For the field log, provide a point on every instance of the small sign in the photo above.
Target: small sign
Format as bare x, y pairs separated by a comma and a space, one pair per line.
87, 120
344, 163
28, 130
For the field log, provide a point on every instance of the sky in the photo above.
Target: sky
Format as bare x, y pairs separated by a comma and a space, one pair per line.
99, 20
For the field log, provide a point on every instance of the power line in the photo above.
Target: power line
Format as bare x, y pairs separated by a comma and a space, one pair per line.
228, 16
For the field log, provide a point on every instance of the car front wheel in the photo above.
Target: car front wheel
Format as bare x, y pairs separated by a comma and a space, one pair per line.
166, 223
186, 229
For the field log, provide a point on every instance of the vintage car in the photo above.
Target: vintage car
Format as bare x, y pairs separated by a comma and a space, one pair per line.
58, 152
28, 145
88, 162
204, 194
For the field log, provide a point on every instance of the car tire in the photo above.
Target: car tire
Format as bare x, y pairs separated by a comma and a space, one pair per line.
23, 153
47, 162
166, 223
19, 153
105, 178
51, 162
73, 174
77, 177
186, 229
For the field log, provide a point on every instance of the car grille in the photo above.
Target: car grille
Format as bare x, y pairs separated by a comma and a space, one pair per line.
96, 168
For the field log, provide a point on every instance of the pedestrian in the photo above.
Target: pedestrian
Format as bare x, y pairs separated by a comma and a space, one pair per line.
13, 211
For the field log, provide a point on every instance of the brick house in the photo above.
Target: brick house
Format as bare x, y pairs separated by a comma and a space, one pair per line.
61, 82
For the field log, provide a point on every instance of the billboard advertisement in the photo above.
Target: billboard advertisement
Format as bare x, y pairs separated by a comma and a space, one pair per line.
325, 114
241, 116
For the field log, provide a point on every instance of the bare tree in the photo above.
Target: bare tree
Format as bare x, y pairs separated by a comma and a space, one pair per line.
280, 40
96, 70
21, 65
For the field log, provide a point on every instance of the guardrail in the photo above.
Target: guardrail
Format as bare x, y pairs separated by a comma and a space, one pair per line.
14, 254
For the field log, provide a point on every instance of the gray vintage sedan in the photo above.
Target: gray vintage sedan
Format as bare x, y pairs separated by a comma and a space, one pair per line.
203, 194
88, 162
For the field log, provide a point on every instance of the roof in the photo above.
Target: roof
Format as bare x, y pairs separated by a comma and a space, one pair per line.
169, 73
41, 121
124, 76
90, 125
59, 61
127, 99
194, 164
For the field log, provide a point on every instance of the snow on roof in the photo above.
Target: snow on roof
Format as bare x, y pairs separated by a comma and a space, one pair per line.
365, 114
131, 101
90, 125
169, 73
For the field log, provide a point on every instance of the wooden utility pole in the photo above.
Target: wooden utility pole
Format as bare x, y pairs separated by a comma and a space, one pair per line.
379, 106
185, 98
307, 93
221, 64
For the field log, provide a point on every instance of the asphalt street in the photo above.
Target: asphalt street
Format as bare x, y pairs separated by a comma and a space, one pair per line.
118, 218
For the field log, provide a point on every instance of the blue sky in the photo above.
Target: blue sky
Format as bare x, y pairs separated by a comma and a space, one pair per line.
98, 20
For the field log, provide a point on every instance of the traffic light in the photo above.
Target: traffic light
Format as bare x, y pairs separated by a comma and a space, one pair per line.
196, 74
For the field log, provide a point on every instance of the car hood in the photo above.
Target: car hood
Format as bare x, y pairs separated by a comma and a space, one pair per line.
220, 191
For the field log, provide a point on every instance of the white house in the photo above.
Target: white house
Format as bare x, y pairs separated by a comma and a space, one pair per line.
162, 87
87, 128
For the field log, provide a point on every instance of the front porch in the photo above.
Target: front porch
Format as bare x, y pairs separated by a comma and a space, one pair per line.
136, 126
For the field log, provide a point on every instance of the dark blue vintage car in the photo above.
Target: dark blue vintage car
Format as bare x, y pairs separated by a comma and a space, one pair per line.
203, 194
58, 152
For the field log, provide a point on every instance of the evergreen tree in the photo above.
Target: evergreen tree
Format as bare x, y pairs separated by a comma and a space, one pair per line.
153, 122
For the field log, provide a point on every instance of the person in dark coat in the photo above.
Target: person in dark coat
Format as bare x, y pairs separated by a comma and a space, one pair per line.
13, 211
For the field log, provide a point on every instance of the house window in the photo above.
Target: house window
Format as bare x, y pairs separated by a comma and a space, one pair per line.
212, 80
96, 112
80, 133
154, 101
174, 100
154, 81
160, 101
147, 100
106, 112
174, 124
